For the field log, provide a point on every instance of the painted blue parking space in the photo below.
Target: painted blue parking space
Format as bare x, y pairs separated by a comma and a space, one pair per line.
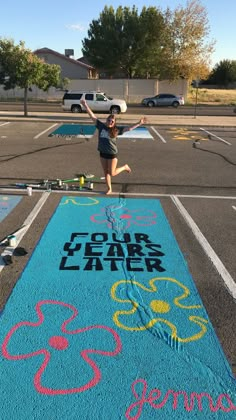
74, 130
7, 204
79, 130
107, 307
137, 133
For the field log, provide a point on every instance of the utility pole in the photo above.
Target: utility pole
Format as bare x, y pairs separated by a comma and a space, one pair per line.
196, 85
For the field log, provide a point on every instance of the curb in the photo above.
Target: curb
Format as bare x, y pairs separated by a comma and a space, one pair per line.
191, 121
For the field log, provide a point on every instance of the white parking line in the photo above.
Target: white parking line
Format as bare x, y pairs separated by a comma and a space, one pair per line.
218, 138
218, 197
127, 194
233, 207
45, 131
228, 280
159, 135
225, 197
4, 123
22, 231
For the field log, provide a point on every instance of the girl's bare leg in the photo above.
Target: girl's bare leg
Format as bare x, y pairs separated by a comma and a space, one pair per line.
107, 174
110, 169
116, 171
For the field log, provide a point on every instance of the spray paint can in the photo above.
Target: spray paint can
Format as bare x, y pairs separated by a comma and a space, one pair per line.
29, 191
81, 182
11, 240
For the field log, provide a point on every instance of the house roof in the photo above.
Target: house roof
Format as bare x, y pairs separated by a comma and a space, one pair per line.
83, 60
71, 60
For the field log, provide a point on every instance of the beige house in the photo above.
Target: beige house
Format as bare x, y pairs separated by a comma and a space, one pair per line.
70, 68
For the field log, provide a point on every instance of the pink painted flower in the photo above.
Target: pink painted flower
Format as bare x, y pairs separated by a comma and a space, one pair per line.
116, 217
62, 357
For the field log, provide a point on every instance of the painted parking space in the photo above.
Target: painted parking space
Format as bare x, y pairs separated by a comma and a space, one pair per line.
7, 204
137, 134
74, 130
179, 133
78, 130
106, 322
186, 134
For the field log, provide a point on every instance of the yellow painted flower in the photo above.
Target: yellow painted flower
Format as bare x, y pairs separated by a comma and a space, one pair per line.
146, 310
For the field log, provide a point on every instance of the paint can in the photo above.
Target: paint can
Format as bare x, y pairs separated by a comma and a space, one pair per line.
29, 191
90, 185
81, 182
11, 240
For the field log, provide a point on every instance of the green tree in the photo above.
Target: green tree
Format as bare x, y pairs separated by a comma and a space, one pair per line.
123, 40
223, 73
163, 44
151, 30
22, 68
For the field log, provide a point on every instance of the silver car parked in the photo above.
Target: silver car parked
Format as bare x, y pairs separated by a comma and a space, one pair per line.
163, 99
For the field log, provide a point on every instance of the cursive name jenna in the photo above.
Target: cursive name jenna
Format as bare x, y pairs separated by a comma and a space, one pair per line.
134, 411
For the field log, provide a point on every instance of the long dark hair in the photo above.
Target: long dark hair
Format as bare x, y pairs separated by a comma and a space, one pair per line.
113, 131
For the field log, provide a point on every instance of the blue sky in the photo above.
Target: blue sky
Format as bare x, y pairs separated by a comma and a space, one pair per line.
59, 25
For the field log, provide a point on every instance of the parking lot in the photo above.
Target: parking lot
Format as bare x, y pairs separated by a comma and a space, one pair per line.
189, 170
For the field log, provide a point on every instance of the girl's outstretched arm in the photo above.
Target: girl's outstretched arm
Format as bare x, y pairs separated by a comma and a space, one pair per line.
143, 120
89, 111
